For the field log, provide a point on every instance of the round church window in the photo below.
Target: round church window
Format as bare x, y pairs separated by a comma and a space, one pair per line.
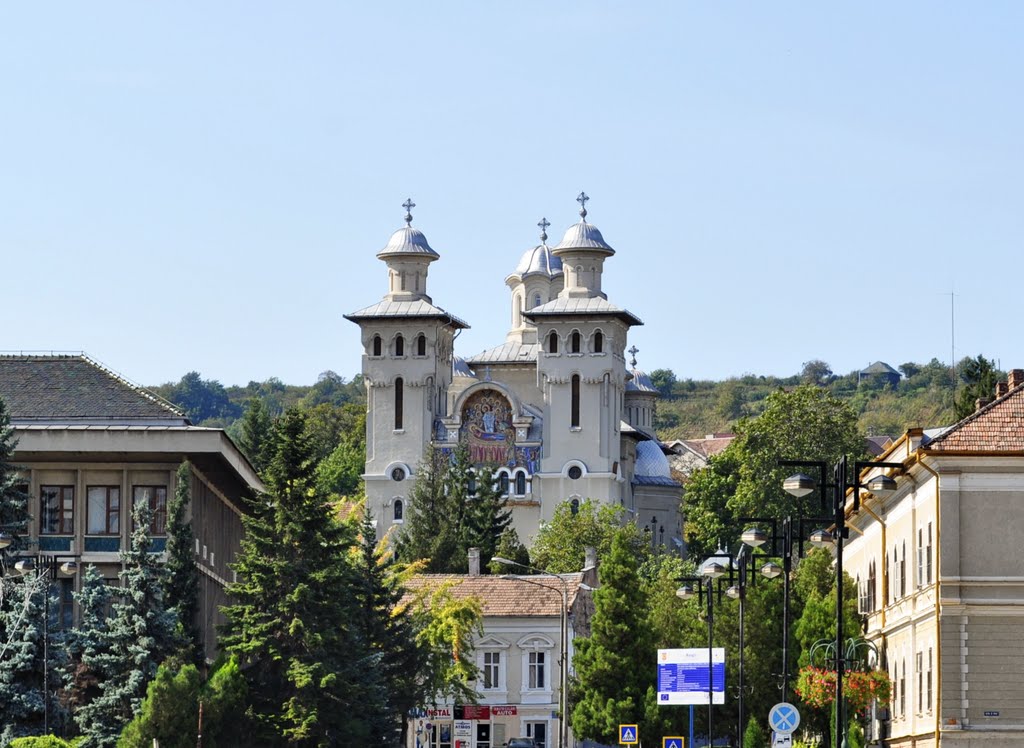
575, 472
398, 474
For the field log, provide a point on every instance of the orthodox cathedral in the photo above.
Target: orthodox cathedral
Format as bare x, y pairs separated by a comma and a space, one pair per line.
553, 409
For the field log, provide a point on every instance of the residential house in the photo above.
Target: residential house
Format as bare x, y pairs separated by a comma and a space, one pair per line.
519, 658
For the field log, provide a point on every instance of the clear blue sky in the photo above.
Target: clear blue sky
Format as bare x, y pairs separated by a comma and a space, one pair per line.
205, 185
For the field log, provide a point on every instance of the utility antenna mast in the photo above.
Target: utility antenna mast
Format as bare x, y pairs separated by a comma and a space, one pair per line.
952, 334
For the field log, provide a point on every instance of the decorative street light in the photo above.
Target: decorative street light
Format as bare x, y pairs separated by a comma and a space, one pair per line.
710, 571
845, 477
45, 568
563, 722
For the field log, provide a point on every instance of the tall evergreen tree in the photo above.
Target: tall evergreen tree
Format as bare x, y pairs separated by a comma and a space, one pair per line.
21, 658
614, 677
14, 515
453, 507
181, 583
140, 635
257, 439
87, 640
294, 617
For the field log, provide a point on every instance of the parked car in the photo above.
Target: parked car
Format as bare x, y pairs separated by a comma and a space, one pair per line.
522, 743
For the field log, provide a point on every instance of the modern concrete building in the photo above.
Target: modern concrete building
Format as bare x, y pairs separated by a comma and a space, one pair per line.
941, 580
90, 445
554, 408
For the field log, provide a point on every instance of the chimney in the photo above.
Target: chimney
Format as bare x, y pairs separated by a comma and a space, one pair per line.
1002, 388
981, 402
1016, 378
474, 562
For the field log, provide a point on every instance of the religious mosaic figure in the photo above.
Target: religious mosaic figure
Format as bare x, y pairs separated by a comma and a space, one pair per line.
487, 429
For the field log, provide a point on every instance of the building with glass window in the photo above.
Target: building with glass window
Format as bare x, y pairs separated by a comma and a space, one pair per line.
90, 446
554, 408
940, 580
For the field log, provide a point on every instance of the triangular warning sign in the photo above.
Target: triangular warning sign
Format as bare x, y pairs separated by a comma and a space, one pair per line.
628, 736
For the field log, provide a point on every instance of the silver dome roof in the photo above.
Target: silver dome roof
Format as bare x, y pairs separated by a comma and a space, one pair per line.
640, 382
461, 369
539, 260
584, 235
651, 462
408, 241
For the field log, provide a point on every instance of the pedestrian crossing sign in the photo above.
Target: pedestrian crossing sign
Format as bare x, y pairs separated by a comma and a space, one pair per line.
672, 742
628, 735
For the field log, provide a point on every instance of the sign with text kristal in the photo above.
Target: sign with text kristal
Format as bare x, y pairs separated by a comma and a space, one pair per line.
684, 676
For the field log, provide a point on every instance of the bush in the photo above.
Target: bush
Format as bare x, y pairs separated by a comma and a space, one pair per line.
41, 741
753, 736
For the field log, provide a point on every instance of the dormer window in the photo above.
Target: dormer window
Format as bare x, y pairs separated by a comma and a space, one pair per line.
574, 342
553, 342
421, 345
378, 345
598, 342
399, 345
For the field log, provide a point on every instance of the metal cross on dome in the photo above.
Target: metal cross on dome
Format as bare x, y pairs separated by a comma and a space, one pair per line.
633, 351
544, 223
582, 200
408, 205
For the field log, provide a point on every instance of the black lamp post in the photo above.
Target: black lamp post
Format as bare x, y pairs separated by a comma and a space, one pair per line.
710, 571
843, 479
46, 568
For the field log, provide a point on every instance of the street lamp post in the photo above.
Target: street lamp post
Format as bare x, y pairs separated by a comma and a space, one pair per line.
710, 571
46, 568
563, 702
843, 479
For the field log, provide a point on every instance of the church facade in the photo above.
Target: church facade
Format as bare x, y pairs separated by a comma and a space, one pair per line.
554, 410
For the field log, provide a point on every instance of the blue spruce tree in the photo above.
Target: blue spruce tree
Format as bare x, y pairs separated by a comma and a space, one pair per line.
141, 633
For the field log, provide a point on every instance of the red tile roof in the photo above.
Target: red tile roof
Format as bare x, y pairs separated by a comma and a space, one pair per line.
997, 427
511, 596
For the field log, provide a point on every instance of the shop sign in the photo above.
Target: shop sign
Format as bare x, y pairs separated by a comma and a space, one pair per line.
504, 711
463, 729
472, 711
439, 712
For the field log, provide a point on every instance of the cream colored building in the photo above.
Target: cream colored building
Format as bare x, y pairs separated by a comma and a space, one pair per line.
90, 445
940, 578
554, 408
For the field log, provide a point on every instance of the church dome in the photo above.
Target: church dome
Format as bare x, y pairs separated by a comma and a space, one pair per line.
584, 235
408, 241
651, 462
539, 260
640, 383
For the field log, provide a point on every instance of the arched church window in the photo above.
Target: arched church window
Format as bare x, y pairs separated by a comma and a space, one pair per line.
421, 345
598, 342
378, 345
574, 410
574, 507
399, 345
399, 510
553, 342
536, 300
520, 484
503, 484
575, 340
399, 397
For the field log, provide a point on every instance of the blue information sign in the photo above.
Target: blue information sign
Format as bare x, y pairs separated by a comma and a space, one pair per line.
684, 676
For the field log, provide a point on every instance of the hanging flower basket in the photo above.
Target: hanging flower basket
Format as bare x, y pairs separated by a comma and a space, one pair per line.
817, 687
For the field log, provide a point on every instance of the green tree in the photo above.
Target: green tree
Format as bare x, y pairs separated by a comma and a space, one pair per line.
487, 516
202, 399
181, 582
87, 640
257, 435
42, 741
613, 671
170, 712
14, 515
807, 423
140, 633
293, 615
511, 548
816, 372
21, 658
664, 380
978, 377
560, 546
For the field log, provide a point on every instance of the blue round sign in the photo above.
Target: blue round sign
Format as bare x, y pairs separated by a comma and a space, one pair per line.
784, 718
